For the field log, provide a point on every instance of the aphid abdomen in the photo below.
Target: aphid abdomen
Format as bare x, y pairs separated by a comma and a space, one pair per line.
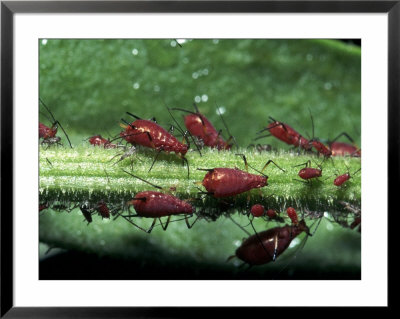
224, 182
156, 204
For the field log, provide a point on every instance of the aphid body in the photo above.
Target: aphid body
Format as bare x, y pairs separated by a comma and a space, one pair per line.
292, 215
287, 134
263, 247
98, 140
224, 182
155, 204
150, 134
257, 210
199, 126
309, 173
343, 149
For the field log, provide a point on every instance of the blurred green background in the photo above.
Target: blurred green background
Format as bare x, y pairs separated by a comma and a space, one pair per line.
90, 84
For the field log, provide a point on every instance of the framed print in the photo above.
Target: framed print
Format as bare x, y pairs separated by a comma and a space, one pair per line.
196, 153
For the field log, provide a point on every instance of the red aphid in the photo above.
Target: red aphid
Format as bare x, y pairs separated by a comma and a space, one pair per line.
224, 182
199, 126
103, 210
150, 134
309, 173
271, 213
42, 207
321, 148
287, 134
99, 140
292, 215
156, 204
343, 149
263, 247
47, 132
257, 210
341, 179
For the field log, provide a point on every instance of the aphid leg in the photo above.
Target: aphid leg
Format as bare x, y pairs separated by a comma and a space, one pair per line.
52, 164
245, 161
274, 256
164, 227
131, 222
269, 162
240, 226
187, 221
307, 164
155, 158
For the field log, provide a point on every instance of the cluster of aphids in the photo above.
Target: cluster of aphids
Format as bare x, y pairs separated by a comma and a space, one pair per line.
220, 183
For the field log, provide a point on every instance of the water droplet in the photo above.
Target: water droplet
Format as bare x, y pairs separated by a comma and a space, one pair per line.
327, 86
173, 43
44, 41
156, 88
204, 98
195, 75
215, 41
329, 227
237, 243
205, 72
181, 41
136, 85
221, 110
185, 60
197, 99
309, 57
135, 51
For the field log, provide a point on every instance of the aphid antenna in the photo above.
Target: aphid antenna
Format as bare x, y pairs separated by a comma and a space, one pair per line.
133, 115
143, 180
260, 137
56, 122
226, 126
48, 118
240, 226
48, 110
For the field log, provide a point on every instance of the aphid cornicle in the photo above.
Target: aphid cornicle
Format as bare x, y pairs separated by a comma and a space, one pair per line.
266, 246
225, 182
199, 126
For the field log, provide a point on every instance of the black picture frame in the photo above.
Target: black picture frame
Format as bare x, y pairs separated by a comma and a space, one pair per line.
9, 8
